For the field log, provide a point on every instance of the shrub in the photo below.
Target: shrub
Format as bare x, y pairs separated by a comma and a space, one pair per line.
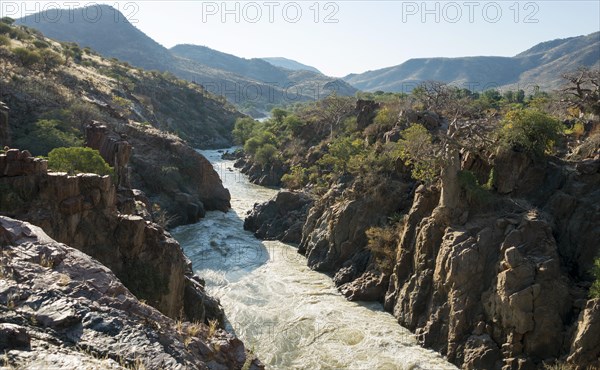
47, 134
242, 130
4, 41
27, 57
475, 193
416, 150
265, 154
5, 28
382, 242
530, 131
78, 160
296, 178
41, 44
595, 289
50, 59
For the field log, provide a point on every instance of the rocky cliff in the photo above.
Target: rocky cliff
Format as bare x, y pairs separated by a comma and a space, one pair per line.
179, 180
62, 309
505, 286
81, 211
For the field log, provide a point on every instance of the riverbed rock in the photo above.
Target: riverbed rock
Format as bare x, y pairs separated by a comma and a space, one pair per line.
63, 309
281, 218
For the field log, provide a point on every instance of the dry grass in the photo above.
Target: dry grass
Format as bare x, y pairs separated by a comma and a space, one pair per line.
213, 325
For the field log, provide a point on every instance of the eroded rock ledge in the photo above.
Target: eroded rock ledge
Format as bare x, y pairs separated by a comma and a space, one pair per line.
62, 308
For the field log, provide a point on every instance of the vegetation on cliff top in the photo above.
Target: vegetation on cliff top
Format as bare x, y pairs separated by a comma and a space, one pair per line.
54, 89
408, 137
78, 160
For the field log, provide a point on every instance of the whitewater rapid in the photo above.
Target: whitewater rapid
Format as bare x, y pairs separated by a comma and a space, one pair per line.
290, 316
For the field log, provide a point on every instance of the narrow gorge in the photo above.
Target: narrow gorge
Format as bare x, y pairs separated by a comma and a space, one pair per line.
149, 221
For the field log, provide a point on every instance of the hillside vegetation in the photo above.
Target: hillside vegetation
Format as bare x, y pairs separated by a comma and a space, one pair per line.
253, 85
53, 89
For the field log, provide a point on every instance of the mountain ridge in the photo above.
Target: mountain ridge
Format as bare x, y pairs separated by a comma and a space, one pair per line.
253, 85
541, 65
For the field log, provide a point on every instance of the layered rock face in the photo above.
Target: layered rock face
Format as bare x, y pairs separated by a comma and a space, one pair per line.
63, 309
502, 284
81, 211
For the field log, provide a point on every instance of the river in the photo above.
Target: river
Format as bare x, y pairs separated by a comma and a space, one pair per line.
290, 316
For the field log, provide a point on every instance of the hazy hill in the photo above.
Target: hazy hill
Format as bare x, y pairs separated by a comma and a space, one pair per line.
541, 65
253, 85
290, 64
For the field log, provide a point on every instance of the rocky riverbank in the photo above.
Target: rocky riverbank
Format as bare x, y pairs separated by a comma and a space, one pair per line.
82, 211
496, 283
63, 309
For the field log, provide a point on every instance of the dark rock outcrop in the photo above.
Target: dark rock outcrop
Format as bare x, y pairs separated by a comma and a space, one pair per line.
334, 239
430, 120
4, 127
115, 151
81, 211
264, 175
365, 112
62, 309
179, 180
281, 218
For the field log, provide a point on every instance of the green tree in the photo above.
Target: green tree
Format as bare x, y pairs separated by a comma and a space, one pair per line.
296, 178
47, 134
7, 20
78, 160
243, 129
265, 154
341, 151
278, 115
529, 130
416, 149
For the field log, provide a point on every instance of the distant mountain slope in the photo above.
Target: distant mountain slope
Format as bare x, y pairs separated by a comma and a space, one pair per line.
290, 64
294, 85
254, 85
542, 65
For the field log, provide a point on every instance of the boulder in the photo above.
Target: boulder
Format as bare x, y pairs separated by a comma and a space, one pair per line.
280, 218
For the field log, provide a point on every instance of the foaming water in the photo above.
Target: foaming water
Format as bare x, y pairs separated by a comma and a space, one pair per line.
290, 316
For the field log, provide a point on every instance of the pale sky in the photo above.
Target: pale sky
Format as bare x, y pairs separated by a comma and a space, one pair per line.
342, 37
